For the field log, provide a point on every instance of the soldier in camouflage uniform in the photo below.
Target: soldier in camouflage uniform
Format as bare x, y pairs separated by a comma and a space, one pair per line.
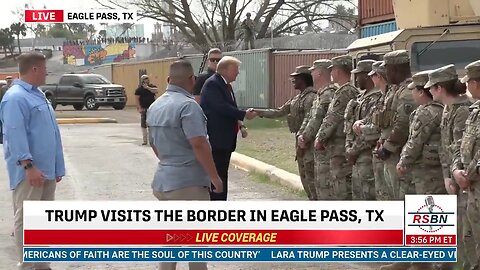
420, 155
371, 132
446, 88
466, 162
393, 120
358, 148
296, 109
311, 124
331, 136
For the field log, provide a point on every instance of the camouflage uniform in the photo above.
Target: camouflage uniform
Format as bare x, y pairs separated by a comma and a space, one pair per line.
467, 158
296, 109
309, 129
332, 136
393, 120
358, 147
421, 152
452, 128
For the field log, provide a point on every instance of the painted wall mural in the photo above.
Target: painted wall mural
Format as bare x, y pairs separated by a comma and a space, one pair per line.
97, 54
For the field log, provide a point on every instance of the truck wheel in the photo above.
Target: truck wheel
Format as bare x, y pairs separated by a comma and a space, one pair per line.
78, 107
90, 103
119, 106
52, 101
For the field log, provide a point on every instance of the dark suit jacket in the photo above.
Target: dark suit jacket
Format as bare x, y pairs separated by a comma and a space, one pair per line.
222, 113
201, 81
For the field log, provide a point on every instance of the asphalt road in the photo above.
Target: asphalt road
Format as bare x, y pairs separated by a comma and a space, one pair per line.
107, 162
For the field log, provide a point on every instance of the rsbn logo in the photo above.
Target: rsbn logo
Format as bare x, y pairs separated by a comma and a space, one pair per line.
430, 217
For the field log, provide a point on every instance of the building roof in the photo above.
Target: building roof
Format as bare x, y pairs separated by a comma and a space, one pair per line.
42, 42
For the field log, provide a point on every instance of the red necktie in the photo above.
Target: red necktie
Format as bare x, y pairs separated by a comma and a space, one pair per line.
230, 89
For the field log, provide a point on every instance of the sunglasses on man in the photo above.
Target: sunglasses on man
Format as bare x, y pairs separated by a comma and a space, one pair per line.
214, 60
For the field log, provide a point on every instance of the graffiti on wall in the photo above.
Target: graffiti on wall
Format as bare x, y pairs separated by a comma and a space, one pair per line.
97, 54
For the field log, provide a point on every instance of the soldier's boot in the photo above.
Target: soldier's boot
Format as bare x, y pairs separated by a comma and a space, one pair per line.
396, 266
145, 136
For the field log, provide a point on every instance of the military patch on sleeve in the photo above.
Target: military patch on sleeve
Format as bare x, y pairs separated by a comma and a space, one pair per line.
408, 108
337, 103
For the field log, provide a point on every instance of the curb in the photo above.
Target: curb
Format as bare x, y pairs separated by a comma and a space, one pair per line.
283, 177
65, 121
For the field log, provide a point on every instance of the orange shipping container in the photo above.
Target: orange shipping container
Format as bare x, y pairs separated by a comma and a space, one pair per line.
129, 75
285, 63
374, 11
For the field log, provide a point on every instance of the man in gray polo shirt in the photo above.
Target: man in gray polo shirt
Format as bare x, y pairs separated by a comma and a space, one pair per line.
178, 136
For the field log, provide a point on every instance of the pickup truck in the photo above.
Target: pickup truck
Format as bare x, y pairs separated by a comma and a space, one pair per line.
89, 90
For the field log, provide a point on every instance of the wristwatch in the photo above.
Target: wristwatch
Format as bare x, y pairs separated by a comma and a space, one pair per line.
28, 166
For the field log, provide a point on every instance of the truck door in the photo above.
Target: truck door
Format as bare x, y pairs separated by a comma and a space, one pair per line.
76, 93
62, 89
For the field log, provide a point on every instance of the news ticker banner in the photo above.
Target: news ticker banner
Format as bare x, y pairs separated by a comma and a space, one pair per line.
241, 254
419, 221
80, 16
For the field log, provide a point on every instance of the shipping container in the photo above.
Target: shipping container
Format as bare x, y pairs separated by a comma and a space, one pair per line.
285, 63
3, 75
104, 70
374, 11
129, 74
253, 85
378, 29
196, 60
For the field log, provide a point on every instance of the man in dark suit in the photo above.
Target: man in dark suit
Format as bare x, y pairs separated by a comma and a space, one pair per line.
223, 116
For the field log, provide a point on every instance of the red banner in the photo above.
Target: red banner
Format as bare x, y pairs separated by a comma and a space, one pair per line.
43, 15
214, 237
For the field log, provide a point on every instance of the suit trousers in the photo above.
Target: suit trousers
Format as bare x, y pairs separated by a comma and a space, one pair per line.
222, 162
26, 192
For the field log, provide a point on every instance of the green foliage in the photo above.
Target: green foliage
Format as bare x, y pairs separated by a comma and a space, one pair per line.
7, 40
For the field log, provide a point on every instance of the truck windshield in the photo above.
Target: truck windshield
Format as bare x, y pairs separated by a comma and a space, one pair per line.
457, 52
95, 79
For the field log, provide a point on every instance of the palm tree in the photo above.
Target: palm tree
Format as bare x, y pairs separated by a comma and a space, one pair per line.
18, 29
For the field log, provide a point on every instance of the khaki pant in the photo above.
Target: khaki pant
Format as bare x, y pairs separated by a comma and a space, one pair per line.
184, 194
26, 192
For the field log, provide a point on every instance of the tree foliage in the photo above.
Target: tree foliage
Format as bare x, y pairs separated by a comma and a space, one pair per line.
7, 40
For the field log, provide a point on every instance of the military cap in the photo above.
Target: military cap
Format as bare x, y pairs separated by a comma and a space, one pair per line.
343, 60
396, 58
301, 69
473, 71
419, 79
364, 66
443, 74
143, 77
377, 67
322, 63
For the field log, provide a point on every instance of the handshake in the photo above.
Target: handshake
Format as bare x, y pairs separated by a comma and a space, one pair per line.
252, 113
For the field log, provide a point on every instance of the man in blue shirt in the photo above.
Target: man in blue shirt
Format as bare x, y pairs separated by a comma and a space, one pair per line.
31, 142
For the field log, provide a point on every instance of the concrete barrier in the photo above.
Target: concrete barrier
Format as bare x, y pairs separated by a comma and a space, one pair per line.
275, 174
65, 121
